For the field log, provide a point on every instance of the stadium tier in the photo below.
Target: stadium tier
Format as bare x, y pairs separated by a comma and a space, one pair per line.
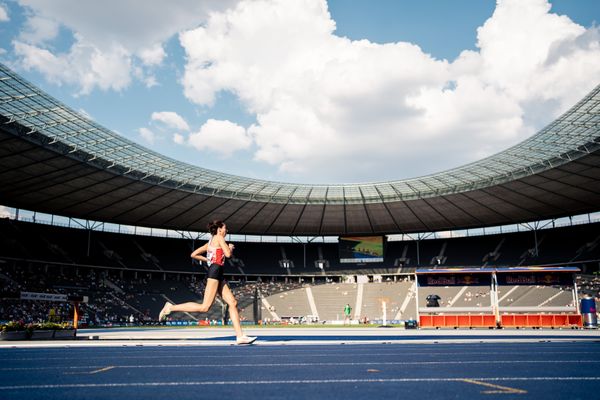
127, 276
133, 297
576, 245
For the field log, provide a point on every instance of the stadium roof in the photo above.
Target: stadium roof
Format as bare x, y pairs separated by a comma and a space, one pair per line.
55, 160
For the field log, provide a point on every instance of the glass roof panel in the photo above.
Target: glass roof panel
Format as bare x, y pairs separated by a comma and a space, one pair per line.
29, 106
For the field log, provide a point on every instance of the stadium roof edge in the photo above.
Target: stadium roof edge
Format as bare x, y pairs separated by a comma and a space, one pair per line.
58, 161
55, 123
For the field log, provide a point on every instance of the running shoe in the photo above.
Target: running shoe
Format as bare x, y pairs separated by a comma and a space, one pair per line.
245, 340
163, 313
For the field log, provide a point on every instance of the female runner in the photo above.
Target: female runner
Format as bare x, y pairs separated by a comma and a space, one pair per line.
216, 250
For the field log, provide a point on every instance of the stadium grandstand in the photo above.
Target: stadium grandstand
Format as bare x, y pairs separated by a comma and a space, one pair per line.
58, 165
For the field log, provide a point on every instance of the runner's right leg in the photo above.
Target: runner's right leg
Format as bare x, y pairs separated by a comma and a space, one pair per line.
210, 292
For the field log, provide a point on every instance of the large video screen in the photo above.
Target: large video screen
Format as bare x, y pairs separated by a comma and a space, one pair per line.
361, 249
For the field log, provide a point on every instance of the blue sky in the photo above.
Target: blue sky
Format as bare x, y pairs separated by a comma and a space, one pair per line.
307, 90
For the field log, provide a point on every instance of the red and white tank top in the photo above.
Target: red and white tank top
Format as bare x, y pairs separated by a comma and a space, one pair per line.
214, 254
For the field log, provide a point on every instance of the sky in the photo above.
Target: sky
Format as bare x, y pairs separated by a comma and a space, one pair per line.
311, 91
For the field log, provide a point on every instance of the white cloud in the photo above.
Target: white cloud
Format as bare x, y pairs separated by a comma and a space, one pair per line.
147, 135
150, 81
522, 49
145, 76
327, 108
221, 137
4, 14
84, 66
39, 29
178, 138
135, 27
171, 119
153, 55
331, 109
112, 35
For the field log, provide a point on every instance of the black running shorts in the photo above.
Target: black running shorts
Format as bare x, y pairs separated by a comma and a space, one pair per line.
215, 271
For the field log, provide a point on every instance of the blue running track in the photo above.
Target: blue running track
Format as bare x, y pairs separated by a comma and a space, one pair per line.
556, 370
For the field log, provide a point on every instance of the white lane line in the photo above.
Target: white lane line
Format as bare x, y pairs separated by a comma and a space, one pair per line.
98, 370
499, 389
300, 381
299, 342
311, 354
307, 364
103, 369
561, 345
